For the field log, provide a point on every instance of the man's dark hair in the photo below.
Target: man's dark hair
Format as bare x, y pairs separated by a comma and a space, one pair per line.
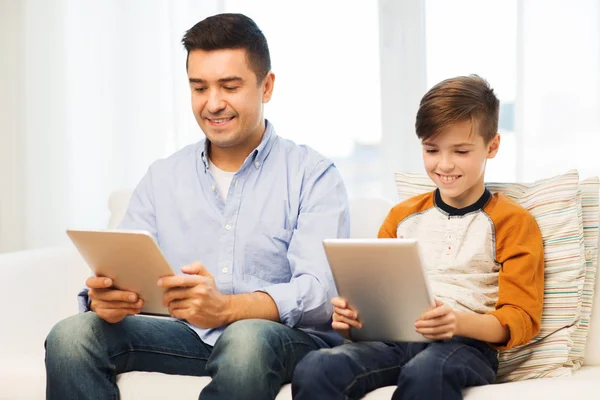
231, 31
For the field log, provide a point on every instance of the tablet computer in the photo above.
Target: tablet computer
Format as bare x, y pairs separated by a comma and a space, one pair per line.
384, 280
132, 259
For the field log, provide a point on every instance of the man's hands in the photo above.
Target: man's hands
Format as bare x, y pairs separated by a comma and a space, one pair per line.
344, 317
439, 323
111, 305
195, 298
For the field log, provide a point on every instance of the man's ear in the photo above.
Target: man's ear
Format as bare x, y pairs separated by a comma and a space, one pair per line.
493, 146
268, 84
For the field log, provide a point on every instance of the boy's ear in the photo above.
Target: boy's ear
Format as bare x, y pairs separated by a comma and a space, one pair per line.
493, 146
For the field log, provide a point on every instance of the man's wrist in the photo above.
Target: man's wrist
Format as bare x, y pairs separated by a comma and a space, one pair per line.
228, 315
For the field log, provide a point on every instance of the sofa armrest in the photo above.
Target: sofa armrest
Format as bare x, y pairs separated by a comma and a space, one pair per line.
39, 288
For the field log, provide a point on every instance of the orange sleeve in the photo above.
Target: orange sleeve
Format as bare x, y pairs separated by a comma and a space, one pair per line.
413, 205
520, 252
388, 228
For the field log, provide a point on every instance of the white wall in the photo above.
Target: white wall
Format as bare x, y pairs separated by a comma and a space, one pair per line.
403, 83
12, 187
91, 93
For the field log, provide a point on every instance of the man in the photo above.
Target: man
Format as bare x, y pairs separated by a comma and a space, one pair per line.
242, 214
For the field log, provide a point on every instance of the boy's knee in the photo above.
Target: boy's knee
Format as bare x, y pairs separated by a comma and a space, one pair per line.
423, 369
317, 368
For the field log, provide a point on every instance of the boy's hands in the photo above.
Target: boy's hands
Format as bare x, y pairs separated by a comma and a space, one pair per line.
344, 317
439, 323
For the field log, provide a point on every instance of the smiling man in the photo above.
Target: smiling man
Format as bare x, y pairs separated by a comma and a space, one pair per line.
241, 215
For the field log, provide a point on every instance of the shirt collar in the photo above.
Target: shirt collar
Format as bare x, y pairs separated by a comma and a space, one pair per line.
452, 211
256, 157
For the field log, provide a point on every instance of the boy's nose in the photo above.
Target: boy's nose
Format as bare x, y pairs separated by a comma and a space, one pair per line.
446, 165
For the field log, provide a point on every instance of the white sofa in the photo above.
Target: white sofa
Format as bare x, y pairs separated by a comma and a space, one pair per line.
40, 286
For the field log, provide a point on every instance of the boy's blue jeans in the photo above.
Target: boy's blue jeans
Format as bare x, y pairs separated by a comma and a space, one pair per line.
251, 359
437, 370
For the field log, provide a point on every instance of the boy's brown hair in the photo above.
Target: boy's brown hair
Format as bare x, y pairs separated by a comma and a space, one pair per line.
456, 100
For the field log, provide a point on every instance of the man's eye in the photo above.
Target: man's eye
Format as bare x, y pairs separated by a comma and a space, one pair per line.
199, 89
231, 88
430, 151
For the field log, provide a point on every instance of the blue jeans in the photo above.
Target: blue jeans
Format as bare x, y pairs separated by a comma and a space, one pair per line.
251, 359
438, 370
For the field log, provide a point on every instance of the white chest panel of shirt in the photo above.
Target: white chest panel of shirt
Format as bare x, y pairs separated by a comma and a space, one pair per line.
222, 178
459, 254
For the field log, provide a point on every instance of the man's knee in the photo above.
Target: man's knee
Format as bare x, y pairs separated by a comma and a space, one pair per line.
70, 337
249, 342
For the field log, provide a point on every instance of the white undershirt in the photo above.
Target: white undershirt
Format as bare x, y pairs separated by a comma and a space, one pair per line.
222, 178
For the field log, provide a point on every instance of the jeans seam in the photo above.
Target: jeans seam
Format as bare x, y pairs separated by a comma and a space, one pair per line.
442, 364
470, 368
297, 343
128, 351
113, 379
356, 378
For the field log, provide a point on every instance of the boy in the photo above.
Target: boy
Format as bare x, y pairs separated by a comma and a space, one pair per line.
484, 257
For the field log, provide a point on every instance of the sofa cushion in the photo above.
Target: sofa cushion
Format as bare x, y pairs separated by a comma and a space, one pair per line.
153, 385
555, 203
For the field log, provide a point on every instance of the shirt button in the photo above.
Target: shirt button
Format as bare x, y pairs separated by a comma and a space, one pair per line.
225, 270
213, 188
257, 164
228, 227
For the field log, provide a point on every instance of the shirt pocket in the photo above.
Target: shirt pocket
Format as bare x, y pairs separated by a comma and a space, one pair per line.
266, 255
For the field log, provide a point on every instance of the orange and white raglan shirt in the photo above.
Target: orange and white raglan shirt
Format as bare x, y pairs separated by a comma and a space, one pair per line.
485, 258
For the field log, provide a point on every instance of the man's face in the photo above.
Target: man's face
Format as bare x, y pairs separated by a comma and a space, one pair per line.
227, 99
455, 161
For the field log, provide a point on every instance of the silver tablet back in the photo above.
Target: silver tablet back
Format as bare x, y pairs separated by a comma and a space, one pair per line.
131, 259
385, 281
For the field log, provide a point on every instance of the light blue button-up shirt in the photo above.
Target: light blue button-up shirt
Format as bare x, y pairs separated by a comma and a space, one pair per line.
267, 236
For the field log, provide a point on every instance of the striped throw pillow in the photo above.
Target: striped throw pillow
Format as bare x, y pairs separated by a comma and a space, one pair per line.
555, 203
589, 204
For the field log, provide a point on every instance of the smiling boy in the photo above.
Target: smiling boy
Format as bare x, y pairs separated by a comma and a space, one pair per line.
483, 254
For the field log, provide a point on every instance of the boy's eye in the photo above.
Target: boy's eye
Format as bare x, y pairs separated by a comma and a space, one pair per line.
463, 152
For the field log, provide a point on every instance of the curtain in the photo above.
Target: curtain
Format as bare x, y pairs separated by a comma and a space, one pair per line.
99, 92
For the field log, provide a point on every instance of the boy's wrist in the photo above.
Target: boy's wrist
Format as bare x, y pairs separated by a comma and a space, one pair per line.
459, 331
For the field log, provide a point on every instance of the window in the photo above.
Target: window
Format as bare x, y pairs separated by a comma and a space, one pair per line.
462, 38
325, 56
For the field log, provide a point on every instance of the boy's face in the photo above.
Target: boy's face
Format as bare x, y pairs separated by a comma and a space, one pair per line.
227, 99
455, 161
